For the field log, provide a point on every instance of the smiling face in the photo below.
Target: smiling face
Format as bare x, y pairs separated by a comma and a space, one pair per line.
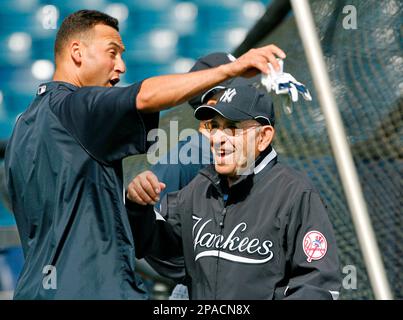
100, 57
234, 145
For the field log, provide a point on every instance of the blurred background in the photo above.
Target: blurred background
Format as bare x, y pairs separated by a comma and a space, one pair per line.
365, 65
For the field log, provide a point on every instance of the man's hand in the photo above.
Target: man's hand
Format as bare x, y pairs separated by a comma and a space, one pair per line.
145, 189
255, 61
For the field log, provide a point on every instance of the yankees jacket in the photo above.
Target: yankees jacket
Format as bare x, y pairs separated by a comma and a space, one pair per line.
268, 236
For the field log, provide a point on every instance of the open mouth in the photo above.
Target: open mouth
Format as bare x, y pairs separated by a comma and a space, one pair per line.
113, 82
223, 154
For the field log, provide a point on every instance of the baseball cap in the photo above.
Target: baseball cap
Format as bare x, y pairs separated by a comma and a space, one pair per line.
209, 61
238, 103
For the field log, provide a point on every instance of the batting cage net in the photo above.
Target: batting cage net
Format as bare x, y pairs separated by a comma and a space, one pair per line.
365, 64
365, 67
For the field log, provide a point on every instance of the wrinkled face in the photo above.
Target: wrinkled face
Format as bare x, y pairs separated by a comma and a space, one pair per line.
234, 145
101, 57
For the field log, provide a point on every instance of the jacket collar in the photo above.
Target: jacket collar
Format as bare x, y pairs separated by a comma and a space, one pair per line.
44, 87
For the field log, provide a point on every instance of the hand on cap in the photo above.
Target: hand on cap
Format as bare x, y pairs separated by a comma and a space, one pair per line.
145, 189
255, 61
284, 83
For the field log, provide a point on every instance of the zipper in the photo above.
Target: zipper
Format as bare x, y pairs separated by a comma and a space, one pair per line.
221, 226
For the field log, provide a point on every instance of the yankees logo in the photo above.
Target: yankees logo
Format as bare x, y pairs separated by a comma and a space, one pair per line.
228, 95
315, 245
233, 247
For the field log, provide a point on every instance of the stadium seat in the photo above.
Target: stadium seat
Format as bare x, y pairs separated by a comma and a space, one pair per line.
16, 22
140, 70
19, 6
218, 40
15, 48
142, 20
71, 6
43, 48
158, 45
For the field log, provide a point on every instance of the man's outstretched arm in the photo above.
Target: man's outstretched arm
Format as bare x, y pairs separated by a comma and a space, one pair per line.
158, 93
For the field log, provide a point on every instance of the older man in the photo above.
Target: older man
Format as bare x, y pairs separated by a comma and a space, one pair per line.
247, 226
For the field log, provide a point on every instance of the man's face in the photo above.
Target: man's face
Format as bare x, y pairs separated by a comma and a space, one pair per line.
101, 61
234, 145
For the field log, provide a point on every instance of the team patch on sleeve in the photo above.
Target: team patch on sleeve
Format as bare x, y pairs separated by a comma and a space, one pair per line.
314, 245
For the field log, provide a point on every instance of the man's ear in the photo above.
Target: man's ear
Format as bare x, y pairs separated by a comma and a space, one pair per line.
266, 136
76, 51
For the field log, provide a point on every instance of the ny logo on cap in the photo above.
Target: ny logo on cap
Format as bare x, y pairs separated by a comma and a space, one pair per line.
228, 95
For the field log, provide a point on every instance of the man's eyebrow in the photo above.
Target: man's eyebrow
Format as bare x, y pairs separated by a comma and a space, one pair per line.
113, 43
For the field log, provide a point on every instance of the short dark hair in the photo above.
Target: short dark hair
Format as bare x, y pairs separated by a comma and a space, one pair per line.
79, 22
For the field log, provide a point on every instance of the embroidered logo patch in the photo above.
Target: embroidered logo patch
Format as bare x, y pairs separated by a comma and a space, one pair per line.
228, 95
315, 245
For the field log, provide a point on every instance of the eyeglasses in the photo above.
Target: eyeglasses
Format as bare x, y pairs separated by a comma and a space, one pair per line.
232, 129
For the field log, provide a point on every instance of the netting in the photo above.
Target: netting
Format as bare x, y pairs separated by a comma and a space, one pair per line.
365, 66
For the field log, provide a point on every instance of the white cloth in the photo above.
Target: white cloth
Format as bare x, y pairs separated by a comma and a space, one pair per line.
284, 83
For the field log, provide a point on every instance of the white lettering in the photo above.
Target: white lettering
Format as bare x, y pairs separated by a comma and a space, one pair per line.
233, 243
165, 310
251, 244
350, 20
188, 154
155, 152
230, 239
50, 279
244, 243
350, 280
50, 16
266, 245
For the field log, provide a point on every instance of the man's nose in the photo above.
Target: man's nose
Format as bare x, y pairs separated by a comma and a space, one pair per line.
218, 138
120, 65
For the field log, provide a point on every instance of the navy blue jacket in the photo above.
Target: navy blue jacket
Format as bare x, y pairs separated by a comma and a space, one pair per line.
268, 236
64, 172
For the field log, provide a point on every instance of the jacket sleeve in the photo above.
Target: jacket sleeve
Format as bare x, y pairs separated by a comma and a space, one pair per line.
106, 122
174, 268
311, 252
154, 235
